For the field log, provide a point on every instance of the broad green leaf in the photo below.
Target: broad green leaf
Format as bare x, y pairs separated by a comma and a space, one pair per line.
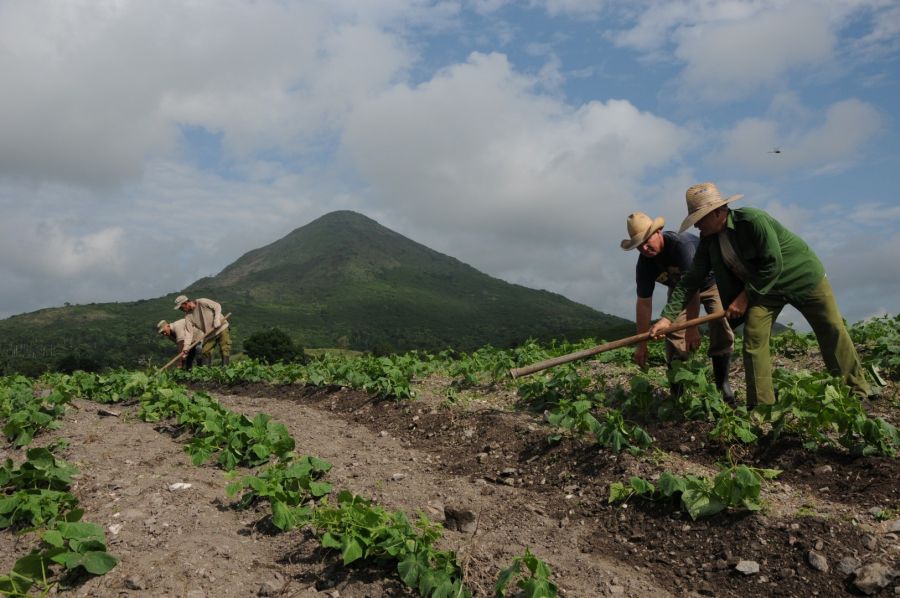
98, 563
352, 551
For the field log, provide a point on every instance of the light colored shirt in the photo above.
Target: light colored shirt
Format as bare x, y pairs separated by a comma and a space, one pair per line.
182, 332
206, 317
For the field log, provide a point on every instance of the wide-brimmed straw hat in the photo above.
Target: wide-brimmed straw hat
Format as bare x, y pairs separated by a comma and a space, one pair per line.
640, 228
702, 199
179, 300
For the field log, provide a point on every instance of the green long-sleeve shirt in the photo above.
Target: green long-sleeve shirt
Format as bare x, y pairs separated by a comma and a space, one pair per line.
780, 263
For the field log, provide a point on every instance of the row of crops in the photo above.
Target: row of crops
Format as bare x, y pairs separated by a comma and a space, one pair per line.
576, 400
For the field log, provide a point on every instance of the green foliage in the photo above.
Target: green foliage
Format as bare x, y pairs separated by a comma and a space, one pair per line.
73, 362
361, 530
736, 487
543, 391
535, 584
26, 411
381, 376
70, 549
879, 342
36, 492
237, 439
791, 343
288, 486
816, 406
273, 345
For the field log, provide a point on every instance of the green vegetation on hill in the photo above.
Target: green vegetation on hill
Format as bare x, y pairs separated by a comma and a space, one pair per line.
342, 280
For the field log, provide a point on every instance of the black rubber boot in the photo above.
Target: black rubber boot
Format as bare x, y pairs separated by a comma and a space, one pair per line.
721, 363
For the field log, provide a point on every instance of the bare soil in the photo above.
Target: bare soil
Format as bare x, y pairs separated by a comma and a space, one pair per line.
484, 456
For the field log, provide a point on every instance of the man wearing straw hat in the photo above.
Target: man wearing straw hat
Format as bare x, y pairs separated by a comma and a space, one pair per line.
664, 257
182, 334
205, 316
760, 266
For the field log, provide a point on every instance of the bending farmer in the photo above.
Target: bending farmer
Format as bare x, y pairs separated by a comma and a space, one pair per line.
205, 316
181, 333
760, 266
664, 257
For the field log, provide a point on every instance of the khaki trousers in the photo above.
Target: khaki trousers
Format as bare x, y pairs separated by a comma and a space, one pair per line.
821, 311
721, 337
222, 341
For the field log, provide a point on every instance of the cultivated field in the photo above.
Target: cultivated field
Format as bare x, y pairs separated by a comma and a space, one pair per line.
586, 480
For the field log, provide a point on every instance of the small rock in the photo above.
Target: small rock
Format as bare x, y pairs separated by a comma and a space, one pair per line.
869, 541
876, 512
847, 565
817, 561
819, 545
683, 448
872, 577
135, 583
615, 590
397, 477
481, 457
747, 567
461, 520
435, 510
179, 486
894, 527
823, 469
115, 528
509, 471
383, 434
269, 588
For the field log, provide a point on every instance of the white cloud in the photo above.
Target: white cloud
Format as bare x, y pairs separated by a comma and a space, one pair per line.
731, 49
832, 144
93, 89
492, 172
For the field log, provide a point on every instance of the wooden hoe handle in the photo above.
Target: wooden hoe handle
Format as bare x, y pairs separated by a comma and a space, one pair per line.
631, 340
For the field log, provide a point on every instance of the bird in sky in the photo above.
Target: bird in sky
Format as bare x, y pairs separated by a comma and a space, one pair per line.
776, 150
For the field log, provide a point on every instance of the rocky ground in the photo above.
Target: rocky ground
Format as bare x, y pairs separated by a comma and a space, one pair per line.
485, 469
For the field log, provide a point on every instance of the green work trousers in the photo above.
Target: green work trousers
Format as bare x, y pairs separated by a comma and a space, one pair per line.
821, 311
223, 342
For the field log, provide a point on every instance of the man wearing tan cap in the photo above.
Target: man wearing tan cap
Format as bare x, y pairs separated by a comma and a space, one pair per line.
205, 316
664, 257
760, 266
181, 333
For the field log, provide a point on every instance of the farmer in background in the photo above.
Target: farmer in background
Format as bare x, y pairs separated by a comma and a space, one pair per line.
665, 257
205, 316
760, 266
181, 333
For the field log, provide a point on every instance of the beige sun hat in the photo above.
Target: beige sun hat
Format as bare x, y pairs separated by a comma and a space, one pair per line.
161, 325
702, 199
179, 300
640, 227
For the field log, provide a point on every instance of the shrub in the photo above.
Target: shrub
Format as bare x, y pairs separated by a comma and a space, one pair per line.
273, 345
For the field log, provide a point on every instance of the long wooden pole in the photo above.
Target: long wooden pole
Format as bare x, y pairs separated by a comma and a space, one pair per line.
209, 335
631, 340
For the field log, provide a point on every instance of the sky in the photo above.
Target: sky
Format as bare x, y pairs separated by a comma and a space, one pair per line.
147, 143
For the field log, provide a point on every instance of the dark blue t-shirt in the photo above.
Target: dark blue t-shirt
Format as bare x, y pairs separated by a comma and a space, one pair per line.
666, 268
